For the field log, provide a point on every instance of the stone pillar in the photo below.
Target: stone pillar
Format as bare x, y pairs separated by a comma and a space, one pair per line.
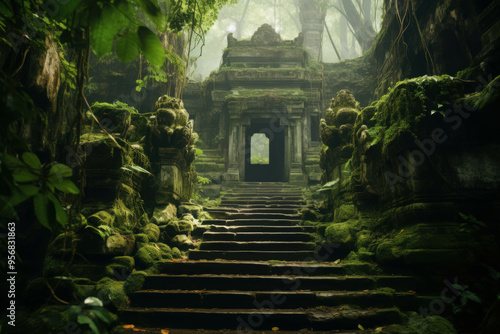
311, 19
233, 173
296, 174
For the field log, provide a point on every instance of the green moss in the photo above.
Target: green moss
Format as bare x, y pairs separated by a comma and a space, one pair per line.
345, 212
108, 289
134, 281
152, 231
100, 218
339, 233
431, 325
146, 256
126, 261
176, 253
142, 238
399, 111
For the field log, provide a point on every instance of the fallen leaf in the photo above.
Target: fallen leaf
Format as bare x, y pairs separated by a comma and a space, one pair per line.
128, 326
379, 329
275, 329
411, 291
361, 327
337, 261
164, 331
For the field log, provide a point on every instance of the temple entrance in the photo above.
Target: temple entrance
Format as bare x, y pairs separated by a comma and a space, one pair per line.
264, 154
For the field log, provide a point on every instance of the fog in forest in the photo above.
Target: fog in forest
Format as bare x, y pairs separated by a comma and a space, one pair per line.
243, 18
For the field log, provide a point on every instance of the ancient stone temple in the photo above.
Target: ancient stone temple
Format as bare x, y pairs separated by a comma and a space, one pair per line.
265, 85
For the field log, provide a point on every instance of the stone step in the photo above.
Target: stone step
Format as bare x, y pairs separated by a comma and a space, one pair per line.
254, 215
263, 299
261, 228
285, 283
291, 246
256, 196
318, 319
297, 208
261, 201
249, 268
249, 222
222, 210
255, 255
246, 236
149, 330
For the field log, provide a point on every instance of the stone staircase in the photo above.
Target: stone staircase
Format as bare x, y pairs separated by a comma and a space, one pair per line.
230, 285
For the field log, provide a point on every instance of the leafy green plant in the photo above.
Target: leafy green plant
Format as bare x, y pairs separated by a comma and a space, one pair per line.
471, 224
103, 231
155, 75
329, 187
28, 178
135, 169
465, 297
91, 314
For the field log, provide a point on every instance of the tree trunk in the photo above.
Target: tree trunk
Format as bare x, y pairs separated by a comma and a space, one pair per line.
362, 28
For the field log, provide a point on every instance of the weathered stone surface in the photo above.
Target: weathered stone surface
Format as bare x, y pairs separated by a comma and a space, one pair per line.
182, 242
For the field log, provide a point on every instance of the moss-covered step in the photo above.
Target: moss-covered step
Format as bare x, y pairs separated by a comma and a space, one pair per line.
249, 268
232, 201
260, 255
256, 215
289, 299
260, 228
229, 209
258, 245
321, 318
252, 221
258, 236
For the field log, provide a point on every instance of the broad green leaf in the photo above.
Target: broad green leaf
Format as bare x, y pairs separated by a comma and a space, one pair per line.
153, 11
31, 160
24, 175
60, 171
61, 216
93, 301
151, 46
18, 196
61, 9
67, 186
136, 169
11, 161
103, 29
127, 46
83, 319
6, 9
28, 189
41, 204
104, 315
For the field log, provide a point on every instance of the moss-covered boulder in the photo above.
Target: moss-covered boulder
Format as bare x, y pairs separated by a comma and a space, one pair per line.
166, 251
152, 231
112, 293
119, 244
146, 256
175, 227
339, 233
176, 253
193, 209
120, 267
182, 242
134, 281
101, 218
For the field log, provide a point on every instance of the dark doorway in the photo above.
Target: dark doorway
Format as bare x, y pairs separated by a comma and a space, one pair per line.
268, 161
315, 136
